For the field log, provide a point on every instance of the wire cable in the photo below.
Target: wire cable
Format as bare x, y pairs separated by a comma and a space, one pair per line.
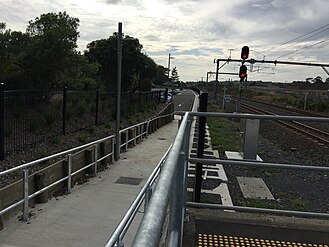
289, 41
304, 48
299, 41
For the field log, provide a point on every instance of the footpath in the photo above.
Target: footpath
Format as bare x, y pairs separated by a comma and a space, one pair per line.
89, 215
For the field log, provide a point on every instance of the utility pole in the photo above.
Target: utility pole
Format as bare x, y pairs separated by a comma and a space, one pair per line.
169, 58
118, 103
231, 49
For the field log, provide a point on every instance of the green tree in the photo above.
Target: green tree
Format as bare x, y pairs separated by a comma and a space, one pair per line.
174, 76
145, 85
12, 44
53, 43
136, 66
104, 52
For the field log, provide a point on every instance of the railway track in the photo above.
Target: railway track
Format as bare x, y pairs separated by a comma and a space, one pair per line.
309, 131
288, 109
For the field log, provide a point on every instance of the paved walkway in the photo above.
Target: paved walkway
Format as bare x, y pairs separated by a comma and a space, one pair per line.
89, 215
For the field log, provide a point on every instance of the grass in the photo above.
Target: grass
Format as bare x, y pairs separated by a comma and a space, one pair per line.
259, 203
300, 204
55, 139
83, 138
224, 132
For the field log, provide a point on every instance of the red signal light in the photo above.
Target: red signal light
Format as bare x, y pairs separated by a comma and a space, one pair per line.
243, 71
244, 52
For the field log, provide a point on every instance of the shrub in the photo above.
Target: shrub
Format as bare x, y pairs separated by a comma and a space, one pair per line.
145, 85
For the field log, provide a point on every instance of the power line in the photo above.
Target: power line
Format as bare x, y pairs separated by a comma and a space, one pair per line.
300, 41
304, 48
276, 46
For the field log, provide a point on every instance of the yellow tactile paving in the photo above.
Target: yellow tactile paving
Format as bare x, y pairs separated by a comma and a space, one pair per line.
213, 240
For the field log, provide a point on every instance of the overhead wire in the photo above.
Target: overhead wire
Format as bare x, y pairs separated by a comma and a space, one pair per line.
289, 41
299, 41
304, 48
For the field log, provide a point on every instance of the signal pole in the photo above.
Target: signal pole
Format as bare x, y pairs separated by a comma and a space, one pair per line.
216, 83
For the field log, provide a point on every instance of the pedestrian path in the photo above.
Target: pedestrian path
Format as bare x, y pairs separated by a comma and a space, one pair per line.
89, 215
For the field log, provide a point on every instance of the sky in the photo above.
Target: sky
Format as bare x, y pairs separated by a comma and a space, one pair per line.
195, 32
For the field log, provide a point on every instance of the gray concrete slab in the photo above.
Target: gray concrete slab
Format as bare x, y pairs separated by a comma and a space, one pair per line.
254, 188
89, 215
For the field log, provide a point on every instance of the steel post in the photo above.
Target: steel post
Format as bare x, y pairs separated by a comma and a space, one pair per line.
95, 159
118, 103
201, 140
26, 195
69, 173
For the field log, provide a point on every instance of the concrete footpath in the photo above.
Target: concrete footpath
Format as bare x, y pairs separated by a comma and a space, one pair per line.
89, 215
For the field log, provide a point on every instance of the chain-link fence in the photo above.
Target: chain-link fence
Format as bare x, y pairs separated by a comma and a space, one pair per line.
31, 116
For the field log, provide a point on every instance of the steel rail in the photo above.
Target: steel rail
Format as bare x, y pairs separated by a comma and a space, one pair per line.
149, 231
126, 220
256, 116
300, 127
55, 155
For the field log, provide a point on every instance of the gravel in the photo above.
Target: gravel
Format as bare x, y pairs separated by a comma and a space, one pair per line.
292, 190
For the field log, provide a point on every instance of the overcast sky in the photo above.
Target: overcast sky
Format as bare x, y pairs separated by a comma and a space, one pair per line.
196, 32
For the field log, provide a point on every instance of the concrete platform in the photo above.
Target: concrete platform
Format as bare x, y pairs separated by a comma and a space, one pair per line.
89, 215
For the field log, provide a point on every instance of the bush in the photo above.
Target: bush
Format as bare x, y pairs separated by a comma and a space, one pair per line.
145, 85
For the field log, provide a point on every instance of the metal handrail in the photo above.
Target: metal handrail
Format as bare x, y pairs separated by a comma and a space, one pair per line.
149, 231
129, 216
72, 150
68, 154
256, 116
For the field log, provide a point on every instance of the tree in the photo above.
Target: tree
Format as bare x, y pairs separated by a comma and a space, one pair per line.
136, 66
12, 45
53, 43
174, 76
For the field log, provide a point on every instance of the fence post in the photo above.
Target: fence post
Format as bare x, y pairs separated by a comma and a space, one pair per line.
26, 195
2, 121
97, 106
201, 136
64, 109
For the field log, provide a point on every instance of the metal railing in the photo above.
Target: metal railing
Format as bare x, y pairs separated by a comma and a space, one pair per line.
174, 169
144, 195
143, 132
171, 186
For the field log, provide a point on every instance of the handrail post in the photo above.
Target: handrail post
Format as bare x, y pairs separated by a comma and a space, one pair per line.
26, 195
119, 243
95, 159
69, 172
148, 194
127, 138
113, 150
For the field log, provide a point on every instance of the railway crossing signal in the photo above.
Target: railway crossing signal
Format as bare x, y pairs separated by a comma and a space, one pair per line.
245, 52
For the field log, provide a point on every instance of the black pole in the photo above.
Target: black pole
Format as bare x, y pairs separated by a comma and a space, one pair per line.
2, 121
275, 62
64, 110
201, 140
216, 83
97, 106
